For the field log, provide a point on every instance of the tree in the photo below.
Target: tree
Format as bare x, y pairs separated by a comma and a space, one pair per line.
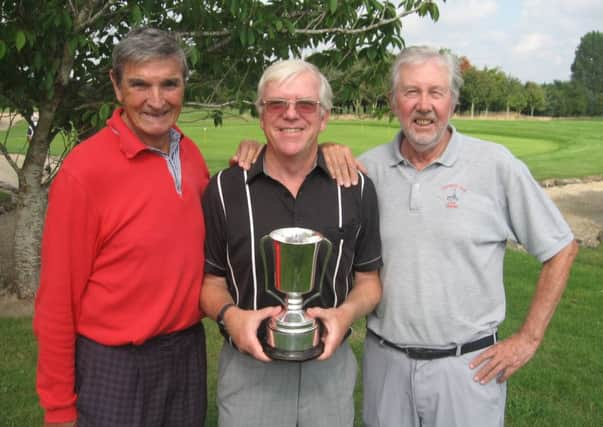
363, 86
55, 56
587, 68
535, 97
566, 99
464, 64
493, 81
578, 99
471, 92
514, 94
482, 88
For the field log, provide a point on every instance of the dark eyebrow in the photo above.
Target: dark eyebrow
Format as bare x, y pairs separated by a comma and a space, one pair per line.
173, 81
136, 80
140, 81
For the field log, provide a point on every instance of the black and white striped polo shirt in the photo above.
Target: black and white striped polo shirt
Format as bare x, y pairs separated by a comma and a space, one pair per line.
240, 207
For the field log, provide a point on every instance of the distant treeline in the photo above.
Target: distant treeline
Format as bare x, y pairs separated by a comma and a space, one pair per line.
363, 88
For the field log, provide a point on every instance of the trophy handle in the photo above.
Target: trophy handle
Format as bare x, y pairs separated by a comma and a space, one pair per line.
266, 274
324, 269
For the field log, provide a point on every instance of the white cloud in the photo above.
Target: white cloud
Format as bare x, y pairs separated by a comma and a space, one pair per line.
532, 40
533, 43
468, 11
454, 13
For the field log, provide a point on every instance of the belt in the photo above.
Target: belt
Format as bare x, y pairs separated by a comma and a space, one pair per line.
431, 353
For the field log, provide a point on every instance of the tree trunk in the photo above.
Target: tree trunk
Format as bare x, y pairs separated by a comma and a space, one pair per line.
357, 106
472, 109
31, 210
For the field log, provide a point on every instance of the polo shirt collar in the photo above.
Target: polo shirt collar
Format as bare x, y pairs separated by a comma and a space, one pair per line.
321, 163
447, 159
396, 156
449, 156
129, 144
257, 168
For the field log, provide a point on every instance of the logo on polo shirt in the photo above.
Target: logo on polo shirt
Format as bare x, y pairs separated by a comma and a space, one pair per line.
452, 194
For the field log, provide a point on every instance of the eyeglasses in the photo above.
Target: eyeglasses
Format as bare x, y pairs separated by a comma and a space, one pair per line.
280, 106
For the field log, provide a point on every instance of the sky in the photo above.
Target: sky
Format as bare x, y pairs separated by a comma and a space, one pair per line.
532, 40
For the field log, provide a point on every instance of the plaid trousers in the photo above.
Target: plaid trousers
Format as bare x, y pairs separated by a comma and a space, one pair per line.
161, 383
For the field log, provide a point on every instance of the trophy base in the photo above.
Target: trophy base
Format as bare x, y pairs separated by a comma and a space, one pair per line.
293, 355
281, 344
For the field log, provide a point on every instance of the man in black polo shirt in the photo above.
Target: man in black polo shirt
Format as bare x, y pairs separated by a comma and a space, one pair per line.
288, 187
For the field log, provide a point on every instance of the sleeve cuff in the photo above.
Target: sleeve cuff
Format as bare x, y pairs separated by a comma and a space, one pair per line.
60, 415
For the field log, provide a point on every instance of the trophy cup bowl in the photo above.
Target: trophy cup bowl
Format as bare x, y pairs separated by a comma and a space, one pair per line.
292, 335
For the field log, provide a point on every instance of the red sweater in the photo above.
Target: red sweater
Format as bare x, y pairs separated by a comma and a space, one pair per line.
122, 254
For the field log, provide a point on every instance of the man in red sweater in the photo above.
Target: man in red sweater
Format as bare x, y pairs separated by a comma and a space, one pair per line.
117, 313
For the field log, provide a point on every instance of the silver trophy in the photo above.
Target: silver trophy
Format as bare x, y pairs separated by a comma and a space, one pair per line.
292, 335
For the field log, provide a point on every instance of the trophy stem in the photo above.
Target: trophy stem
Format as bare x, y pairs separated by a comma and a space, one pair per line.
294, 302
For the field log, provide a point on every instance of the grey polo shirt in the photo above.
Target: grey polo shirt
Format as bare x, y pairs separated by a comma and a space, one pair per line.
444, 230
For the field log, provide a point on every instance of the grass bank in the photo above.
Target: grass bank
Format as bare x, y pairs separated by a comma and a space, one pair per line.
559, 387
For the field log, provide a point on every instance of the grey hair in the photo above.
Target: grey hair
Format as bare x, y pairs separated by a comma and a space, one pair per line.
288, 69
145, 44
421, 54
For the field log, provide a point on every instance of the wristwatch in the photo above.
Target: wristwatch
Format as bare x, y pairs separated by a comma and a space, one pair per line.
221, 313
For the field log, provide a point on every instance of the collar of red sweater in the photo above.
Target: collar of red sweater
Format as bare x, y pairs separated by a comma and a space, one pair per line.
129, 143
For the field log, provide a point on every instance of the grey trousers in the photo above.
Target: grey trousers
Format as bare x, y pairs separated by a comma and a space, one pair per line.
402, 392
286, 394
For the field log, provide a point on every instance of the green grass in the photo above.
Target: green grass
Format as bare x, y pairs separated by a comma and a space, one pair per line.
4, 197
18, 402
550, 148
561, 386
15, 137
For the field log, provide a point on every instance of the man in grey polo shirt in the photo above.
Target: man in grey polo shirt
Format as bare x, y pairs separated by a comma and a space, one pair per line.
448, 203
